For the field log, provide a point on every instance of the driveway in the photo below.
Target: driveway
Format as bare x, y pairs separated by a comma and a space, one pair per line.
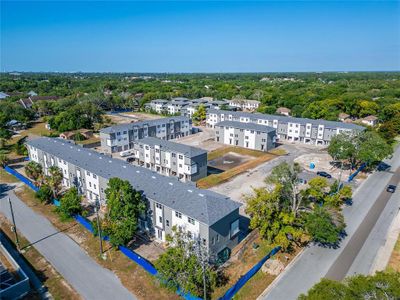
88, 278
369, 202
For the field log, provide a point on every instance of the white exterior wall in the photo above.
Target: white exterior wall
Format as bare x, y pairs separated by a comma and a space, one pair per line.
251, 139
227, 135
92, 185
180, 164
62, 164
184, 224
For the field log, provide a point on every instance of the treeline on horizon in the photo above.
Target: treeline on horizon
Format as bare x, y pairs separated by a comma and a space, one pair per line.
313, 95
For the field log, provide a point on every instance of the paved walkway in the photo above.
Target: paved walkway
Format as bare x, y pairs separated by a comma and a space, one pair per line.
88, 278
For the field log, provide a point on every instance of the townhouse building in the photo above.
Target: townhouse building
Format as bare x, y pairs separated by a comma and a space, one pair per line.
208, 217
308, 131
246, 135
170, 159
158, 105
245, 104
121, 137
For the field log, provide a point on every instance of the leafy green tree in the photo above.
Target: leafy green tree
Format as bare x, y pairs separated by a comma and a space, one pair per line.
54, 180
267, 215
200, 114
326, 289
287, 176
124, 206
382, 285
70, 203
321, 226
3, 159
372, 148
44, 194
317, 189
34, 170
181, 265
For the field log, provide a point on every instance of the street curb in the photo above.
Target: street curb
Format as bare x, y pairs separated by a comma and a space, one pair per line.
277, 279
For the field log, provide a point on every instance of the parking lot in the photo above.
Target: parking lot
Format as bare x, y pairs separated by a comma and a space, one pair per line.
203, 139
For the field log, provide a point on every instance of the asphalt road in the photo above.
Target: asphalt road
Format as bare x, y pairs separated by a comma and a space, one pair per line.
316, 262
88, 278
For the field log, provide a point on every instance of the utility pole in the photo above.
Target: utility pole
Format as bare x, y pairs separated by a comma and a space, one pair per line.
14, 227
203, 268
99, 228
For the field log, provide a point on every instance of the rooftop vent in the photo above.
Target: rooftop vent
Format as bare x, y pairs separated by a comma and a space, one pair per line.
110, 161
190, 191
100, 157
201, 195
124, 167
90, 153
170, 183
154, 177
79, 149
137, 171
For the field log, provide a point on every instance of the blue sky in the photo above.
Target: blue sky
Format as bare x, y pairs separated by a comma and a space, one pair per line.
200, 36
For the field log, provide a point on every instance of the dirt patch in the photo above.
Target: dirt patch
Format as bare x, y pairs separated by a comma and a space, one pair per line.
244, 257
394, 262
228, 161
215, 179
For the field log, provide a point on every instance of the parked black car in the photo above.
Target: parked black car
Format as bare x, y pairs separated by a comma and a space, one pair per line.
383, 166
324, 174
391, 188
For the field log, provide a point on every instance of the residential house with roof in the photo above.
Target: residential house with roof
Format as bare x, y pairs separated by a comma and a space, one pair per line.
28, 102
370, 120
303, 130
246, 135
170, 159
343, 117
283, 111
209, 217
121, 137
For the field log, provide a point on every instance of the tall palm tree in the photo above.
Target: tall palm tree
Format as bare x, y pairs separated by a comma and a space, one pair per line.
54, 179
34, 170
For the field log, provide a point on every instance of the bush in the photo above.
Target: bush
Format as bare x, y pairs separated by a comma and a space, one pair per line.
44, 194
70, 204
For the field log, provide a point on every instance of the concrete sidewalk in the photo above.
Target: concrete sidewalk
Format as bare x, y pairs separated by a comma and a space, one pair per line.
88, 278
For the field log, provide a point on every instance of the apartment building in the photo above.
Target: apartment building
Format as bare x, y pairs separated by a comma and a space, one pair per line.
245, 104
170, 159
121, 137
308, 131
210, 217
183, 106
246, 135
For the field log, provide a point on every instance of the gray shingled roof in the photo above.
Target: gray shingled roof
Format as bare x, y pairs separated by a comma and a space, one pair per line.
328, 124
188, 151
205, 206
129, 126
246, 126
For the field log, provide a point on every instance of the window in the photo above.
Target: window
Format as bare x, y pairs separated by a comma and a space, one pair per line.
94, 176
246, 137
118, 133
160, 219
213, 241
178, 215
167, 222
180, 165
204, 241
158, 205
94, 186
180, 156
258, 132
90, 184
157, 150
217, 238
191, 221
234, 228
173, 154
263, 140
88, 173
125, 132
252, 131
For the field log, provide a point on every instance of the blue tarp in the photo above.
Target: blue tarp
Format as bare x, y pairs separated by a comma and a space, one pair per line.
22, 178
351, 177
242, 281
139, 260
